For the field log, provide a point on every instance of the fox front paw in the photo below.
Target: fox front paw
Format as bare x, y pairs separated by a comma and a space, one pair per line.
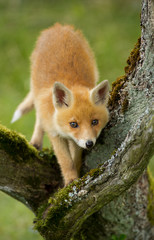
36, 145
70, 179
67, 182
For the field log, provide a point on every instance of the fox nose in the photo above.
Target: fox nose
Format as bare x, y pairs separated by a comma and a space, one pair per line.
89, 144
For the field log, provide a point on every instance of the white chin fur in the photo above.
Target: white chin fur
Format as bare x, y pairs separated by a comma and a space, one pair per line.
16, 116
81, 143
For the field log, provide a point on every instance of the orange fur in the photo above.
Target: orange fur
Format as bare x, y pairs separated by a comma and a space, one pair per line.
63, 78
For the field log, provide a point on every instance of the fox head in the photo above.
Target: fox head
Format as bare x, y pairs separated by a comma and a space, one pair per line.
80, 113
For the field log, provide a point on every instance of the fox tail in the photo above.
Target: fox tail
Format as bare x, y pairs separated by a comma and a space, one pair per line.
24, 107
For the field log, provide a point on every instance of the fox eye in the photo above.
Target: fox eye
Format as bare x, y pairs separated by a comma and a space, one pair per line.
74, 124
94, 122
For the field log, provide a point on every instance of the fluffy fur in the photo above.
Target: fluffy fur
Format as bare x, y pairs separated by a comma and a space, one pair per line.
69, 107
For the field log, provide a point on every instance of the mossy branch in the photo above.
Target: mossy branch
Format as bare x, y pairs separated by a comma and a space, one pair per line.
71, 206
122, 152
129, 136
26, 174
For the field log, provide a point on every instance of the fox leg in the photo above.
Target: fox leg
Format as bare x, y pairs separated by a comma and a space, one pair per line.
65, 161
37, 137
76, 154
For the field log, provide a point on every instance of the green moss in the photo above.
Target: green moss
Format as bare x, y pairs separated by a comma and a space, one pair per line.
133, 58
48, 155
52, 214
115, 93
120, 81
60, 204
16, 145
41, 210
19, 148
121, 237
150, 208
80, 236
93, 173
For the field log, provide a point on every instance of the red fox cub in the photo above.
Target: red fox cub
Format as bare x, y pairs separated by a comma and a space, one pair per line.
70, 108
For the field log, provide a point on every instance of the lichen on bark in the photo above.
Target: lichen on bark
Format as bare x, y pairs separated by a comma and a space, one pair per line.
118, 160
69, 204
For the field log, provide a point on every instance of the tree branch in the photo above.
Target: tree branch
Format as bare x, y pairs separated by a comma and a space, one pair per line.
131, 133
73, 205
25, 174
122, 151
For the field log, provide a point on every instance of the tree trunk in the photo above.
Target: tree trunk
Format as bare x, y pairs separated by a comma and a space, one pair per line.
123, 218
110, 201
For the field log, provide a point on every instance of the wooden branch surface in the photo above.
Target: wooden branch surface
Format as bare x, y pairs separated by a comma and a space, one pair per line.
73, 205
123, 150
25, 174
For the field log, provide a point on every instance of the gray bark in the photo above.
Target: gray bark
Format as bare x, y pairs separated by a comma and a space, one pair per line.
112, 198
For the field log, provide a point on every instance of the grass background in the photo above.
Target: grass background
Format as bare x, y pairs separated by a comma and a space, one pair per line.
112, 28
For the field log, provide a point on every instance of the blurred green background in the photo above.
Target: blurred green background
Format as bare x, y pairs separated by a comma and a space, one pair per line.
112, 28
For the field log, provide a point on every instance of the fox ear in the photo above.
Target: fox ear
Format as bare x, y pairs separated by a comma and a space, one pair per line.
99, 94
62, 96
